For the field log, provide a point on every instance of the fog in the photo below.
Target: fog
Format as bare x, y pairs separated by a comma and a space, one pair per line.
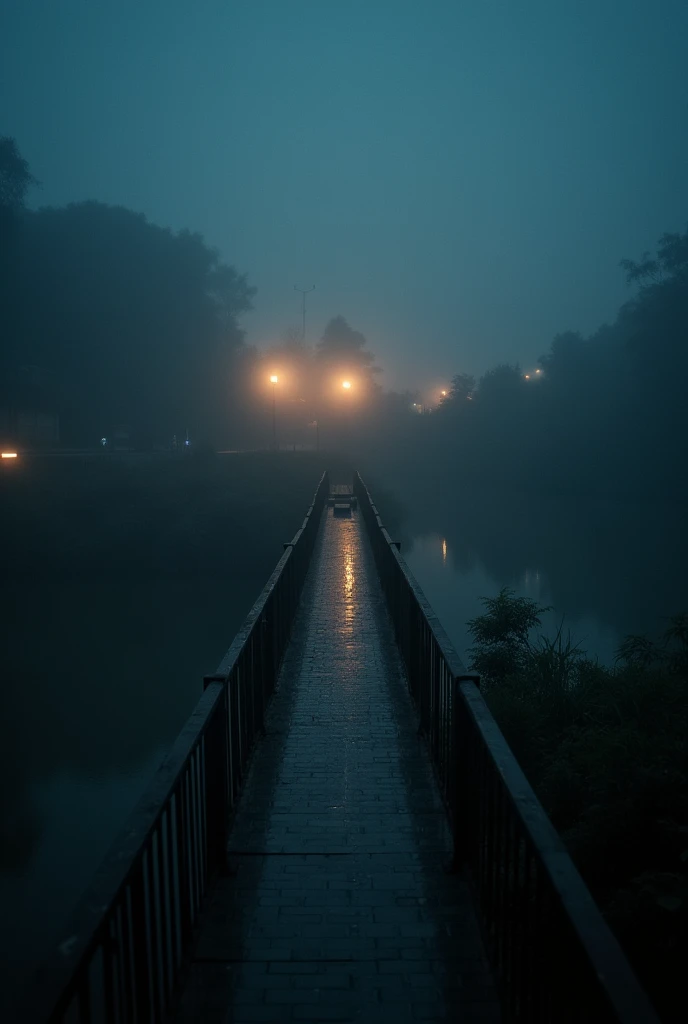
443, 243
461, 179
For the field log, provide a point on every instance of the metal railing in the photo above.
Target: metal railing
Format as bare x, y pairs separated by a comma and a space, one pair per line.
554, 956
120, 958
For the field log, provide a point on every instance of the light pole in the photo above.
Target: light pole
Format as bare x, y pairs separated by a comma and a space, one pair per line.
274, 380
304, 293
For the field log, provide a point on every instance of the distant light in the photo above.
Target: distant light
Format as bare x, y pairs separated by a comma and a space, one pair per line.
9, 455
527, 376
346, 384
274, 378
444, 551
444, 394
538, 371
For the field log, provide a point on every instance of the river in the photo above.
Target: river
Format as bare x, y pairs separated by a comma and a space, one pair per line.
101, 675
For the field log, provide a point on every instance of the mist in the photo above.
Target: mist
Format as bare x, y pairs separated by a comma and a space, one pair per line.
442, 244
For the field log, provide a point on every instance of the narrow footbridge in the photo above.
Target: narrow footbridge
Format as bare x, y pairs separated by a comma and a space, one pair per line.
340, 832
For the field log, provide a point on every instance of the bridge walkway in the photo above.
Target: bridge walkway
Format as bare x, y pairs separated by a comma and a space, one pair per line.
337, 907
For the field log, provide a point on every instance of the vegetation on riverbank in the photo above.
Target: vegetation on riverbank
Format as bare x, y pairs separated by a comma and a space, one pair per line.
606, 752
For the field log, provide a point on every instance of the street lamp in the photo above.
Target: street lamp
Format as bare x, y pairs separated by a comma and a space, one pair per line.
274, 380
346, 384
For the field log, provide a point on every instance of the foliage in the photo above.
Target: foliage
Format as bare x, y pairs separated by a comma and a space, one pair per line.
112, 322
15, 176
606, 752
343, 349
502, 635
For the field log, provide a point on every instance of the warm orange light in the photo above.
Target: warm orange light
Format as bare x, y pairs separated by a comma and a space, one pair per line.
444, 394
346, 384
274, 378
527, 376
9, 455
538, 371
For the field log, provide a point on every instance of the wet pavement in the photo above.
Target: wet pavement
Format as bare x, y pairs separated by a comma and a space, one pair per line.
337, 907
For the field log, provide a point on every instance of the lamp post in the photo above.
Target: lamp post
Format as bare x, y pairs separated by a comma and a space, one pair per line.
274, 380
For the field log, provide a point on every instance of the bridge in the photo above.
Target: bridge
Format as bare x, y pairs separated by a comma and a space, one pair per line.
339, 833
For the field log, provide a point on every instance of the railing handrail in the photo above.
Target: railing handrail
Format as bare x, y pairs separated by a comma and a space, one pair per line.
53, 984
616, 983
82, 935
599, 944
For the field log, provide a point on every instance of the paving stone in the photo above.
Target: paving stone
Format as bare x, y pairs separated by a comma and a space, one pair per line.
337, 907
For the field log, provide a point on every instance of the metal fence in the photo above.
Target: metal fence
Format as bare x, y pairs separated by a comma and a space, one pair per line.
120, 959
555, 959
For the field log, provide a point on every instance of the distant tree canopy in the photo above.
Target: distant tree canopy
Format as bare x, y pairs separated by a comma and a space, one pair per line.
117, 322
342, 350
15, 177
602, 414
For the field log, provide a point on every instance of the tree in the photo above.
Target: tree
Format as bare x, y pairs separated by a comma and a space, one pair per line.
342, 350
133, 324
15, 177
460, 390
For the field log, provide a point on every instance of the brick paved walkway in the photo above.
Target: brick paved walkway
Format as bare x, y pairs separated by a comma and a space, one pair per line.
339, 909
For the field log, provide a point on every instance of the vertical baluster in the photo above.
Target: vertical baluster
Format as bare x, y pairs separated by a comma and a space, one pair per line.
142, 1002
183, 866
157, 1004
163, 850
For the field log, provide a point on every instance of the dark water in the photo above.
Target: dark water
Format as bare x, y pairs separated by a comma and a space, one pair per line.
101, 677
610, 568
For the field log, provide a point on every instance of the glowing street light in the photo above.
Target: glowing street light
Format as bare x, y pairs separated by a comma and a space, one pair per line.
346, 384
527, 376
444, 394
538, 371
274, 379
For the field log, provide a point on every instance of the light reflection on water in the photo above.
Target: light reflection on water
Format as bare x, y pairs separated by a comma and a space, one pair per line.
455, 594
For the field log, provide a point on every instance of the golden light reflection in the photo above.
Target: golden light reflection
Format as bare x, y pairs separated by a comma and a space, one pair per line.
444, 550
349, 576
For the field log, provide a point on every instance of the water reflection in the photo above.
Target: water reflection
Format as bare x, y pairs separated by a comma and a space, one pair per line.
610, 567
98, 680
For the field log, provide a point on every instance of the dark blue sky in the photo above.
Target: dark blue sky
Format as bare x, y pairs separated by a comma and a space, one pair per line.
460, 180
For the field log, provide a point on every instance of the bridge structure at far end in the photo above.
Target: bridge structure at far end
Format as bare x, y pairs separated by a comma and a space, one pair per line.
340, 832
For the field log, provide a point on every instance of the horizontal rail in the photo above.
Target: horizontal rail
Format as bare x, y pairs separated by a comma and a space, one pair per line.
121, 956
554, 956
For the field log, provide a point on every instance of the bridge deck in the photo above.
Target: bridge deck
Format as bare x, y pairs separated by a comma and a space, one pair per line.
338, 908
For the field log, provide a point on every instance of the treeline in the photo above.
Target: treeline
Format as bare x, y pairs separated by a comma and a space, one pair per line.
108, 321
606, 414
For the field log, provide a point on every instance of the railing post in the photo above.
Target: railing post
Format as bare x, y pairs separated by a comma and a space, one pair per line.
465, 800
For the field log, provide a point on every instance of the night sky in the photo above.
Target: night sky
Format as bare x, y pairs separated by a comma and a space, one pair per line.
460, 180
